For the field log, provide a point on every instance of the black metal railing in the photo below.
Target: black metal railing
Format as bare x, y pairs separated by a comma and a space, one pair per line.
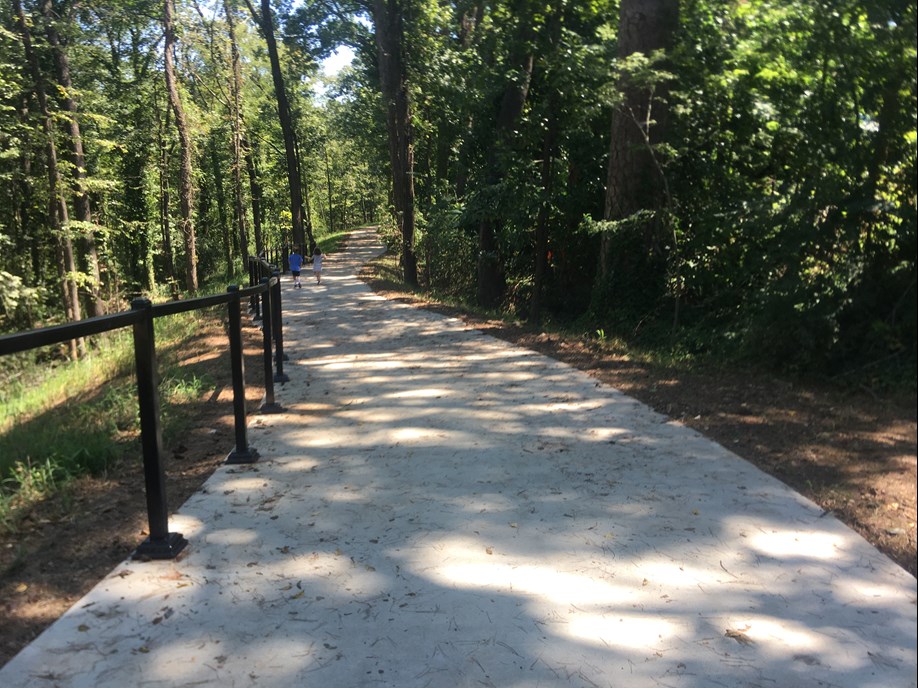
264, 291
259, 271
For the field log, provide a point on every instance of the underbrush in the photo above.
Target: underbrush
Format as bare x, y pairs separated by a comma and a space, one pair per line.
696, 346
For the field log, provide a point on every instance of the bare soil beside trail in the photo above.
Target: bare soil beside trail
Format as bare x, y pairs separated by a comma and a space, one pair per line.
68, 543
851, 452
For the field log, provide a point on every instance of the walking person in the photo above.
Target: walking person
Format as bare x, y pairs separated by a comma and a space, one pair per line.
295, 260
317, 264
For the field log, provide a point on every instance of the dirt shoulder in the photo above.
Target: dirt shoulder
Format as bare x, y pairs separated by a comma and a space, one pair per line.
852, 453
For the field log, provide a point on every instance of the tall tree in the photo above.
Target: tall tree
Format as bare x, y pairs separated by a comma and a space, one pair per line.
186, 171
265, 20
255, 193
239, 215
512, 103
57, 207
389, 22
633, 182
81, 204
165, 196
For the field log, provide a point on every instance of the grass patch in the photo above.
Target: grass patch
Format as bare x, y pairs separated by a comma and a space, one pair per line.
58, 423
332, 243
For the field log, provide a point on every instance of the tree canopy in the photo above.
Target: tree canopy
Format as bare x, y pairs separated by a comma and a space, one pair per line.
727, 177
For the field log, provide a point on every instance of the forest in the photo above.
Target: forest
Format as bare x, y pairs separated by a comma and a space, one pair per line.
734, 178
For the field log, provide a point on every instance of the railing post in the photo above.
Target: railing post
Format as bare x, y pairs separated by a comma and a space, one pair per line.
256, 299
161, 544
243, 453
269, 405
253, 280
278, 324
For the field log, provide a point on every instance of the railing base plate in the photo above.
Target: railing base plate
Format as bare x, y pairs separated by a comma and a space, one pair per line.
160, 548
247, 456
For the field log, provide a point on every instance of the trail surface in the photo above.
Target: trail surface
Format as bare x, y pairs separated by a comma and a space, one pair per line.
439, 508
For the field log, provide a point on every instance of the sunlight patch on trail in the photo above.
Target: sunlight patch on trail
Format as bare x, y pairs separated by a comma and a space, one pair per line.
786, 544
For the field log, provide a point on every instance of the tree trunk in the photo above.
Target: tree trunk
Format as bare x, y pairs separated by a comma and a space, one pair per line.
255, 193
57, 208
632, 180
81, 204
541, 232
236, 115
26, 225
164, 198
312, 246
388, 21
331, 208
265, 19
490, 275
225, 230
186, 173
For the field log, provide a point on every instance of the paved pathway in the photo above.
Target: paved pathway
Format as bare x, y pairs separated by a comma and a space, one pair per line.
438, 508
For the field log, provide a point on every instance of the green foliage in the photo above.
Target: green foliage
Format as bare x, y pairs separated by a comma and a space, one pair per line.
796, 211
449, 252
787, 233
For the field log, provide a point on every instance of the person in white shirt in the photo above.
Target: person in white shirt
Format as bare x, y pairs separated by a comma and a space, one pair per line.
317, 264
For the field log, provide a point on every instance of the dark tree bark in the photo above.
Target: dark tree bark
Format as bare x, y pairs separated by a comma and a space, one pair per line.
186, 173
81, 205
57, 208
265, 20
388, 20
633, 182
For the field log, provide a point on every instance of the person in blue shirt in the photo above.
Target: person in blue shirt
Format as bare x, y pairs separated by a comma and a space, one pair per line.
295, 260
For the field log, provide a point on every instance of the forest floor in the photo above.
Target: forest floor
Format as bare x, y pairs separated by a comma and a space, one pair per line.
853, 453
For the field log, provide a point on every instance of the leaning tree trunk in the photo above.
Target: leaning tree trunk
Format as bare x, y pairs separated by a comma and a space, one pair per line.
81, 204
388, 20
57, 208
265, 19
633, 182
186, 173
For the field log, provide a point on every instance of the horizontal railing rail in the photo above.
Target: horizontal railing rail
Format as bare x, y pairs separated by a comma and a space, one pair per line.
265, 290
47, 336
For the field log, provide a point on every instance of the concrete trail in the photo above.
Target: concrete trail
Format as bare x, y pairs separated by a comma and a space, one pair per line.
438, 508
